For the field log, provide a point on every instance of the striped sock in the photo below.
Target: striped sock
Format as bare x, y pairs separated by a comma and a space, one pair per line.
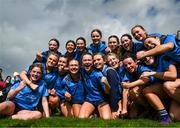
163, 112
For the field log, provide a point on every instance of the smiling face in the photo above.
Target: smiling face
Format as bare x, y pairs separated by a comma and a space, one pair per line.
87, 62
35, 74
113, 43
126, 43
70, 47
52, 61
80, 44
98, 61
151, 42
138, 33
130, 64
113, 61
62, 63
74, 66
53, 46
96, 37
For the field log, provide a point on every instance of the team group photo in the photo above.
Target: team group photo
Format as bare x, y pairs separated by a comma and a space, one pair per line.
102, 75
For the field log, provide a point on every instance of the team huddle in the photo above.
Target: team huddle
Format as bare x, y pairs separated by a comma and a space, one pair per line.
117, 79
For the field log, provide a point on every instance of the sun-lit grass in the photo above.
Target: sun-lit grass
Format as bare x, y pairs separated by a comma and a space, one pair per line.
74, 122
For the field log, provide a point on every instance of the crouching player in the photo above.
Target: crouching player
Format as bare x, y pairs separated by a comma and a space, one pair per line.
135, 84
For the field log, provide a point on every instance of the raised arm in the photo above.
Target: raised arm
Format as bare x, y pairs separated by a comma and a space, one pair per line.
170, 74
138, 82
38, 56
23, 76
12, 93
160, 49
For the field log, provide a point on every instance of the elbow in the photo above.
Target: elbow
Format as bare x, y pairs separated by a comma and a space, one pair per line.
22, 73
145, 80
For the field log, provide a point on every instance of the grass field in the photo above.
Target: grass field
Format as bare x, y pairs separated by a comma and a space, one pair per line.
74, 122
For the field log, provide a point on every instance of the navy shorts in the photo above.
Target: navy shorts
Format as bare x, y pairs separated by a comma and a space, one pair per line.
95, 103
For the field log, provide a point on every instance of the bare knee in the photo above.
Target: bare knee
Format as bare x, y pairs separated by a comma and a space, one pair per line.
83, 114
104, 111
7, 108
167, 86
33, 115
37, 115
11, 108
86, 110
107, 116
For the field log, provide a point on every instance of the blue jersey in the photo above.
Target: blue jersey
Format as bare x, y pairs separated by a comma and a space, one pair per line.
45, 56
28, 98
162, 64
121, 72
116, 88
60, 89
79, 54
75, 88
136, 47
70, 56
48, 77
93, 49
155, 34
174, 54
135, 75
93, 86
